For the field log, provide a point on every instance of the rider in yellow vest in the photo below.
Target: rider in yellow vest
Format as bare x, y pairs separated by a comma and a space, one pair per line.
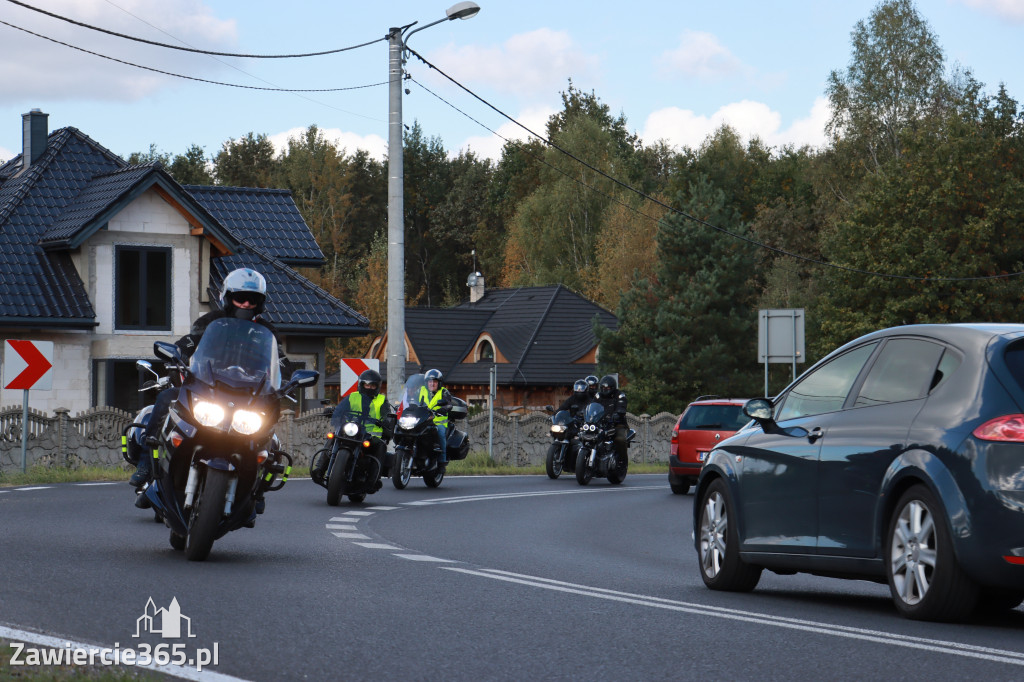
367, 400
439, 400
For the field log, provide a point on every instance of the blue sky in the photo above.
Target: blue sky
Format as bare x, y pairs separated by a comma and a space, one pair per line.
675, 70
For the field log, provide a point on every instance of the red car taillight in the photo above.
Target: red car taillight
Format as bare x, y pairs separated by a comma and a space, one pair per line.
1009, 428
675, 437
1017, 560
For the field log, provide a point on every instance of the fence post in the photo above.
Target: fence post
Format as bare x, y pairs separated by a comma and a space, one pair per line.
288, 422
62, 433
513, 457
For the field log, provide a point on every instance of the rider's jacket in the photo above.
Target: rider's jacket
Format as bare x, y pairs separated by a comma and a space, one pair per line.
439, 402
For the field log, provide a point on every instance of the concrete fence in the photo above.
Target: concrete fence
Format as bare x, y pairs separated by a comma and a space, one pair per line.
93, 437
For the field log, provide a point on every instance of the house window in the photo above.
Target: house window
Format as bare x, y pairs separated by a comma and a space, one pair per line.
142, 288
485, 352
116, 383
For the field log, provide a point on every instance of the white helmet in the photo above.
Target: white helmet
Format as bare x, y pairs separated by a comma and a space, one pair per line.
244, 283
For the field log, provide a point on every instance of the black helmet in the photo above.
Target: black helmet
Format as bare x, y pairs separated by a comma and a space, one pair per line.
369, 383
591, 384
607, 386
580, 386
433, 374
247, 284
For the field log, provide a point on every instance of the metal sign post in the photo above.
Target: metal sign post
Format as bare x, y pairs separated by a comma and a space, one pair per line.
490, 420
27, 364
780, 338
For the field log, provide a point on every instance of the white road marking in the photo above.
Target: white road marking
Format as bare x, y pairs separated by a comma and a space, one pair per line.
359, 513
375, 545
830, 629
381, 508
345, 519
424, 557
337, 526
351, 536
64, 642
38, 487
101, 483
542, 493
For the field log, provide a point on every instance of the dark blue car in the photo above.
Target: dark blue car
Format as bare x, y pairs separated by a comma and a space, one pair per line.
897, 458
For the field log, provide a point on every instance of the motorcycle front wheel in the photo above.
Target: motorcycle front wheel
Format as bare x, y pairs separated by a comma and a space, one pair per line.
336, 483
207, 511
433, 478
554, 460
617, 472
583, 471
403, 468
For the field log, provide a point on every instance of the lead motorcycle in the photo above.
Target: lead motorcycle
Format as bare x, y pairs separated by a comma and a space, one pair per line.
563, 450
352, 468
597, 456
416, 437
217, 451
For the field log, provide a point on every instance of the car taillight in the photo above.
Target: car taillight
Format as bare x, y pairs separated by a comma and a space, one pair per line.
675, 436
1008, 428
1017, 560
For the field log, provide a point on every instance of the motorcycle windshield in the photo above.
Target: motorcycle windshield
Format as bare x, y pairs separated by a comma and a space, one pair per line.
562, 418
415, 391
237, 354
594, 413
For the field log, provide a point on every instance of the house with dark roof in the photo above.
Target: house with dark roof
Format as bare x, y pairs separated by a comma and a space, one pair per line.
539, 340
103, 258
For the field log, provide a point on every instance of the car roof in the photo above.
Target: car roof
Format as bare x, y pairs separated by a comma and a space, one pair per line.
720, 401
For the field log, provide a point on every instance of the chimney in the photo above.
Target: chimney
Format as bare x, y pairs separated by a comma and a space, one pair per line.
34, 135
476, 287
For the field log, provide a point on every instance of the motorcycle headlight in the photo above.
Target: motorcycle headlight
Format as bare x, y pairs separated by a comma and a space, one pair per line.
246, 422
350, 429
558, 428
207, 413
408, 422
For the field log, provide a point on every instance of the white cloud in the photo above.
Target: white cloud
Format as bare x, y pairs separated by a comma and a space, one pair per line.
534, 63
6, 155
33, 67
701, 56
375, 145
1012, 10
681, 127
489, 146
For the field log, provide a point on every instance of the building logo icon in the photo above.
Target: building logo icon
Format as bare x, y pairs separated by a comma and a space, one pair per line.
164, 622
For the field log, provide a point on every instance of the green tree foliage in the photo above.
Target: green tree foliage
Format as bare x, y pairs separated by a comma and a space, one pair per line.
894, 75
246, 162
950, 206
192, 167
692, 328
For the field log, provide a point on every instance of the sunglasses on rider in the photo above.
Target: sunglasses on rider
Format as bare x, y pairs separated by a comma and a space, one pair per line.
246, 297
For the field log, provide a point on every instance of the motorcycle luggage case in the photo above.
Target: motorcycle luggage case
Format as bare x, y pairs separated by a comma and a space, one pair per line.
458, 444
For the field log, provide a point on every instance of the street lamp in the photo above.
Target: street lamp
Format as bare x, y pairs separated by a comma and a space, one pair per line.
397, 40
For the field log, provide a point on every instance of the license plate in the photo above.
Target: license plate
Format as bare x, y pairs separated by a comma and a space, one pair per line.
701, 456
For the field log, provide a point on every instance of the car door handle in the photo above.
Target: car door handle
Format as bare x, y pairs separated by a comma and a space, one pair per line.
815, 434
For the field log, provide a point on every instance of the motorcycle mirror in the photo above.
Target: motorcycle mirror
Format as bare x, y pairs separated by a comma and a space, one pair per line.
167, 352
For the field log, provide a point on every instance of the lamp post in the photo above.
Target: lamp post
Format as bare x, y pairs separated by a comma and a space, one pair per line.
397, 39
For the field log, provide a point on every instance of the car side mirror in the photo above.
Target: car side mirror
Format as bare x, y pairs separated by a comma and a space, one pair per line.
759, 409
301, 377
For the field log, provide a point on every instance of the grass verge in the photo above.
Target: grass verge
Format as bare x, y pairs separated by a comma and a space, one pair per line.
59, 673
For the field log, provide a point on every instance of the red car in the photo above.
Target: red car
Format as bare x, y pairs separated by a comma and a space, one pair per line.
706, 421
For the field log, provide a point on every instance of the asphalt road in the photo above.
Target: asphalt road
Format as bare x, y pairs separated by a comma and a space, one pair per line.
485, 578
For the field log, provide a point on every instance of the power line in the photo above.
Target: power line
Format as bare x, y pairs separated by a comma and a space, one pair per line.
683, 214
192, 49
191, 78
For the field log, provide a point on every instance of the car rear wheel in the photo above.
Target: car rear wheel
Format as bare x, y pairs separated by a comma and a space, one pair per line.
721, 567
925, 579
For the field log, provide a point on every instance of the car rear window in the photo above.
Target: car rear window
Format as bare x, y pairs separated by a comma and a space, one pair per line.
707, 417
1015, 361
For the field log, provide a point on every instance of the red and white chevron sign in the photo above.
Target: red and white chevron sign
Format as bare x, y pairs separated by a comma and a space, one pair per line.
28, 365
351, 368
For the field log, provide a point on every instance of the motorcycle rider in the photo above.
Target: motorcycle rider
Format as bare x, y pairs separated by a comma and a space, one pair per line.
367, 400
243, 295
437, 398
614, 402
579, 399
592, 387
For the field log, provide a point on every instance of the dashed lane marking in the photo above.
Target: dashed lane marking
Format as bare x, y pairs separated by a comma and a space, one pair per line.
337, 526
358, 513
375, 545
540, 493
424, 557
351, 536
38, 487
